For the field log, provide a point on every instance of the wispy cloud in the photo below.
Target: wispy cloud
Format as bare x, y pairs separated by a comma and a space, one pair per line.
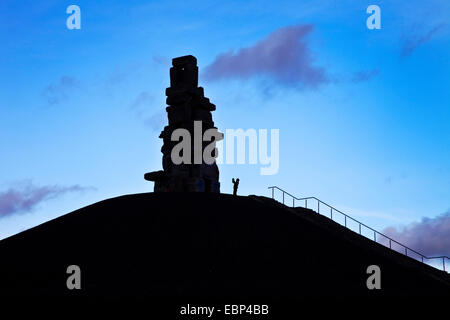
430, 236
391, 179
27, 196
415, 39
162, 60
142, 104
364, 75
156, 121
120, 75
284, 55
57, 92
143, 99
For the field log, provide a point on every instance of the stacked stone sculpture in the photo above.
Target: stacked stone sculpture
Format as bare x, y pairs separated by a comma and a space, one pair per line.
186, 105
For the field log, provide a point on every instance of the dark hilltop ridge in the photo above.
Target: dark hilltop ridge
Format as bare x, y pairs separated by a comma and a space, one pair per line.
219, 246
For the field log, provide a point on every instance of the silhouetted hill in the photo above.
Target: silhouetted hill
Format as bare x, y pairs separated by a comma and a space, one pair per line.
194, 245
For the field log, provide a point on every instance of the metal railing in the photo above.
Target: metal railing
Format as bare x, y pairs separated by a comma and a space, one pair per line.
405, 249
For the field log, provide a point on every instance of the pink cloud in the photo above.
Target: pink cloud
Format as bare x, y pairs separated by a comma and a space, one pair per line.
430, 236
284, 55
28, 196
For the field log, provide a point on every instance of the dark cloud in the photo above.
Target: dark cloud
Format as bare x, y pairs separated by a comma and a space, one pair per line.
430, 236
414, 40
55, 93
361, 76
26, 197
284, 55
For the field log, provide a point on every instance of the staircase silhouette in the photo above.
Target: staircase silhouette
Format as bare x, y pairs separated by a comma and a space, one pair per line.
387, 240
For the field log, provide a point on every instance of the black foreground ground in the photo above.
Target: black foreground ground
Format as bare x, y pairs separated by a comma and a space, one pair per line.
189, 247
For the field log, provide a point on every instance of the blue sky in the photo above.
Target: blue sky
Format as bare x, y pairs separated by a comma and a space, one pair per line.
81, 110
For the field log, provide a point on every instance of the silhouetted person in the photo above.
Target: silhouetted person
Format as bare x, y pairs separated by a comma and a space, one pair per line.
235, 186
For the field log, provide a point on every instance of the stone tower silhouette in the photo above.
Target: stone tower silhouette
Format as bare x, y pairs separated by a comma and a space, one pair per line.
187, 106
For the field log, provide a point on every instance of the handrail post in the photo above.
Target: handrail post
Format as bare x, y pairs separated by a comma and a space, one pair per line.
360, 228
345, 221
390, 246
374, 236
273, 193
306, 203
443, 263
331, 213
318, 206
283, 197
